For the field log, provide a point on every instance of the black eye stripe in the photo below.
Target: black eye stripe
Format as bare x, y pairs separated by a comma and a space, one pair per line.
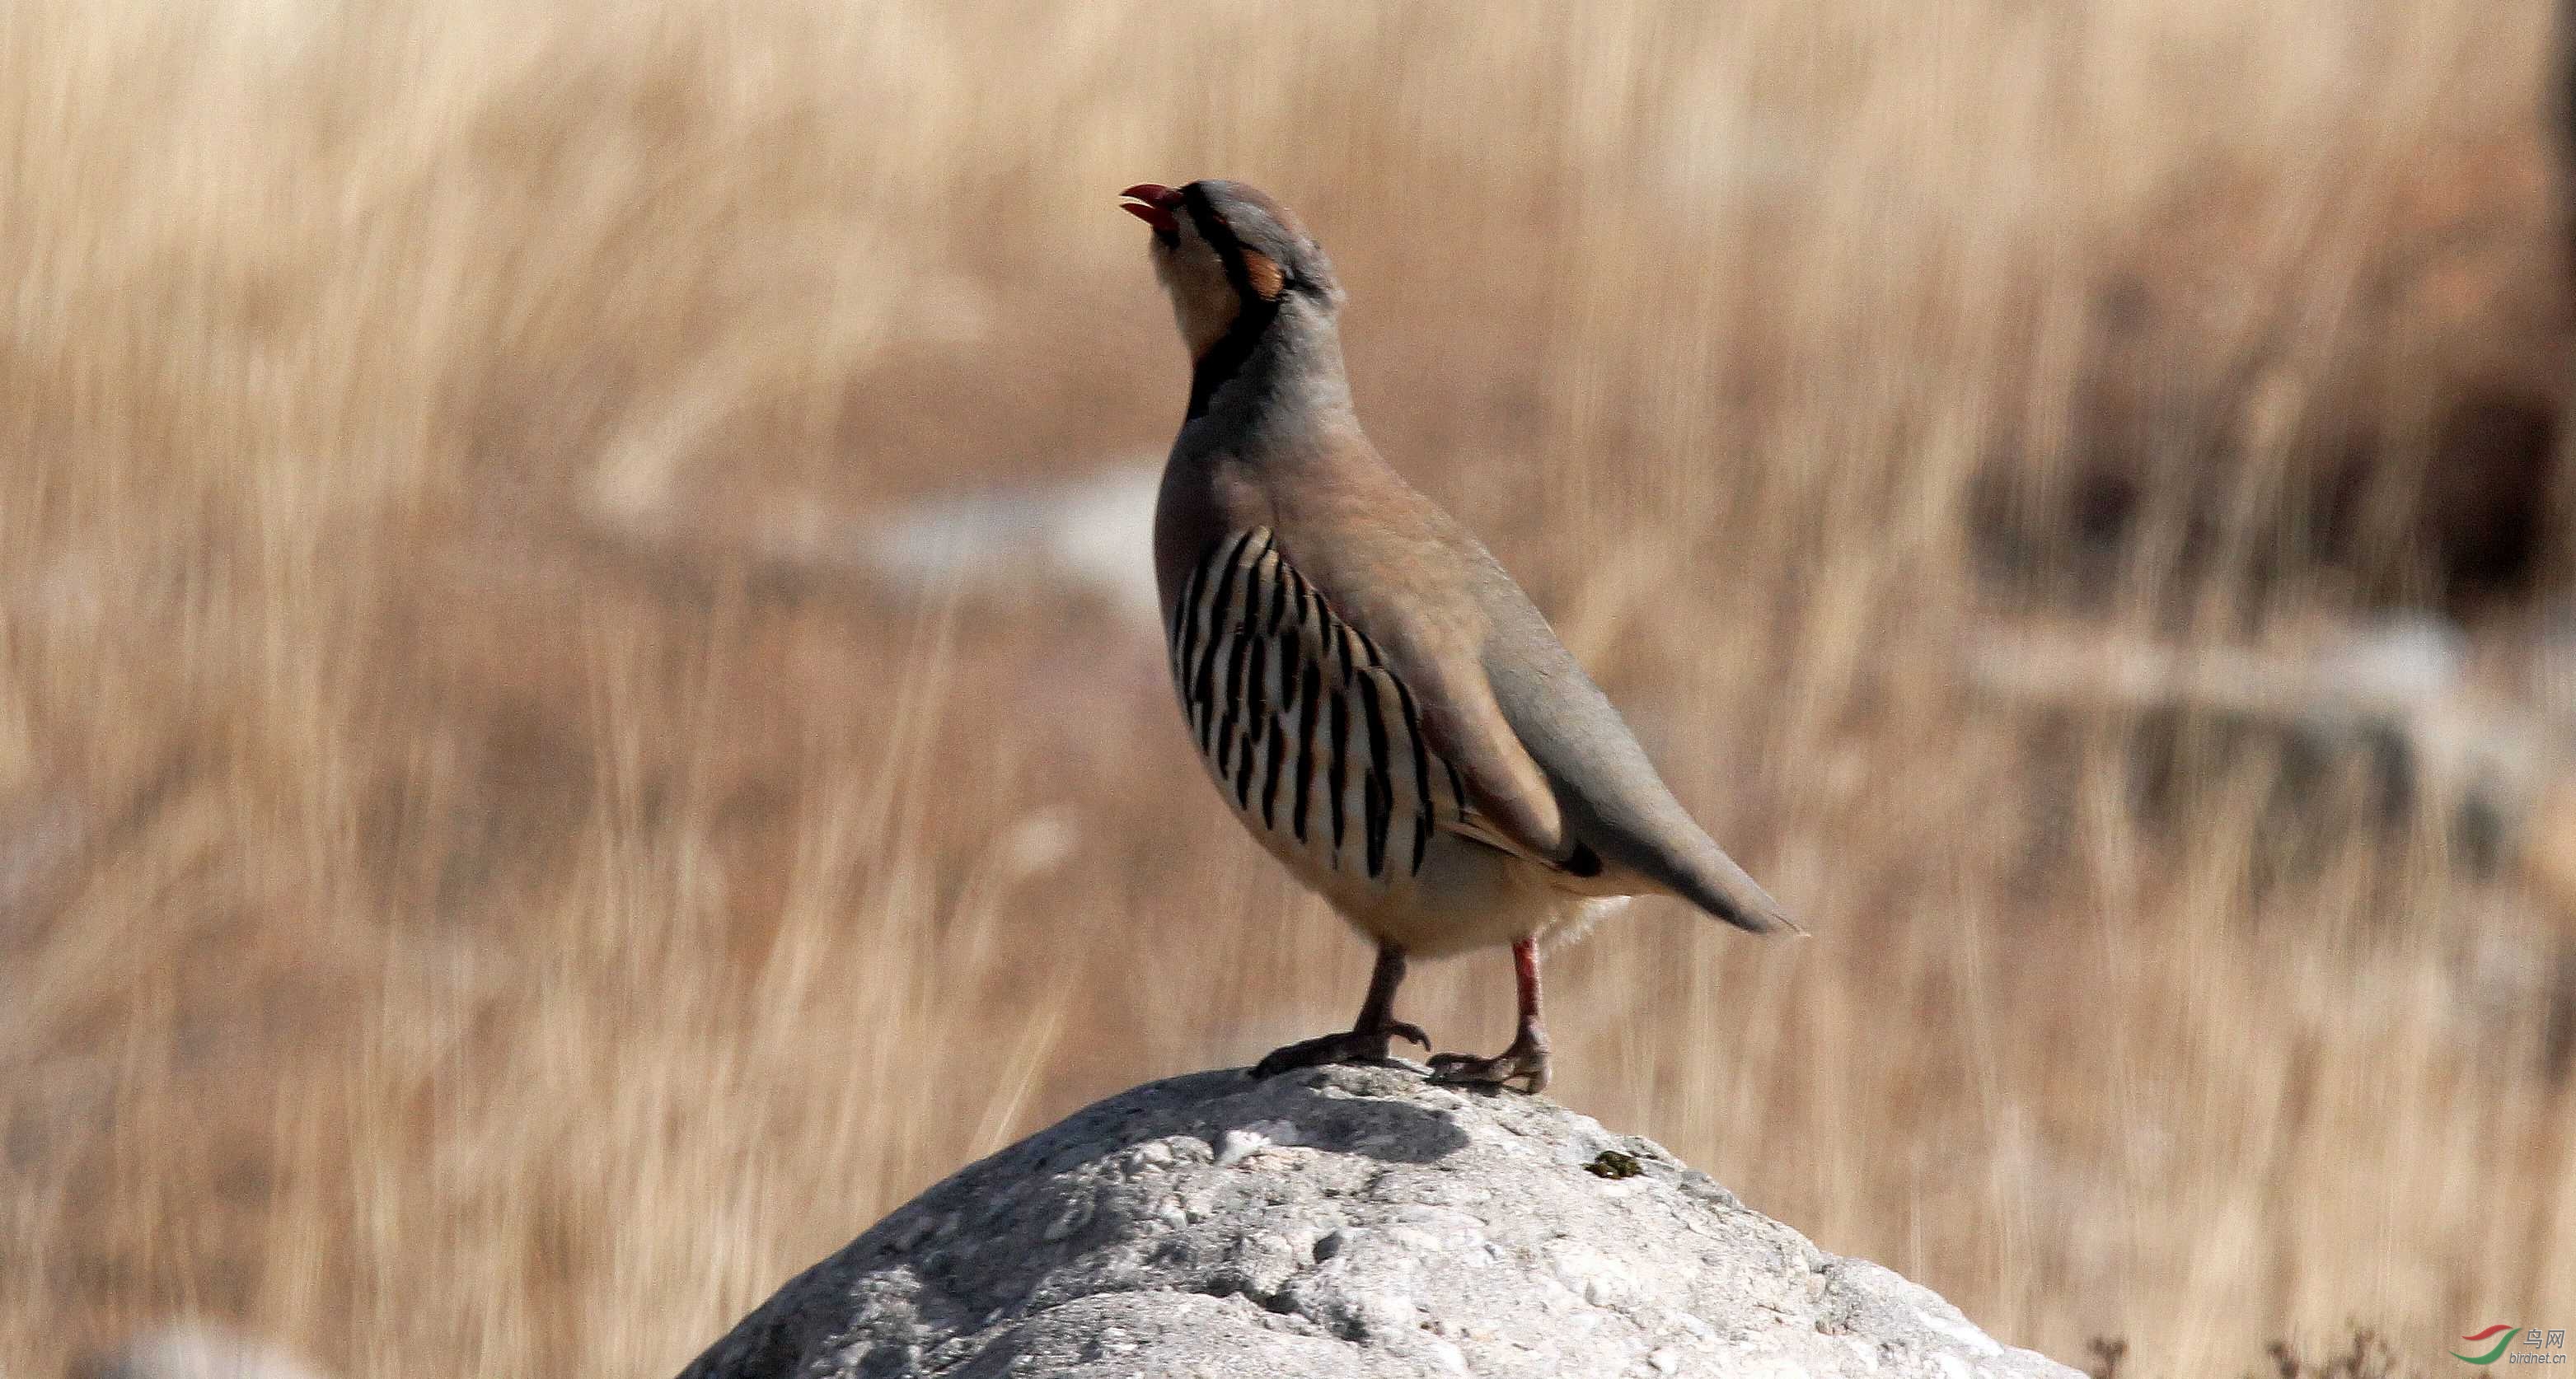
1220, 237
1229, 250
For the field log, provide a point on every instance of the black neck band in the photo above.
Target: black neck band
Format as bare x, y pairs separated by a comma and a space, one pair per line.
1253, 315
1225, 359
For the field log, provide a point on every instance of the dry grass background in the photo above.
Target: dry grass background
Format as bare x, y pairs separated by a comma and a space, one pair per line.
459, 918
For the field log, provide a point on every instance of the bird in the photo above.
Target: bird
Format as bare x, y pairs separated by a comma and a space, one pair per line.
1378, 702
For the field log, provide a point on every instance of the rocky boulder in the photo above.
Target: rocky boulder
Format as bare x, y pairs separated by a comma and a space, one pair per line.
1345, 1221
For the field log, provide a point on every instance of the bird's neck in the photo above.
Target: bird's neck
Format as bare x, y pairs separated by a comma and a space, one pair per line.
1277, 366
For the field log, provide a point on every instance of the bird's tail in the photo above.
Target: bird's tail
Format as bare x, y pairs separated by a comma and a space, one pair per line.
1706, 877
1723, 889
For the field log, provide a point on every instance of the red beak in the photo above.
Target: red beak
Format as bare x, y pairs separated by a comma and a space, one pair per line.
1156, 210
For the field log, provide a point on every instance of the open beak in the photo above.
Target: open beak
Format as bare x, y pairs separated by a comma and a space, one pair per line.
1153, 203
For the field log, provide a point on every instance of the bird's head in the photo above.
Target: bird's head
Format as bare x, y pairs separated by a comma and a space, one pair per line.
1230, 256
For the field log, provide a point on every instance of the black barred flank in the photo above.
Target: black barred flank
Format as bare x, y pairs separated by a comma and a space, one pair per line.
1278, 598
1243, 778
1233, 700
1270, 781
1336, 755
1185, 636
1291, 664
1422, 811
1375, 793
1285, 700
1304, 594
1217, 606
1310, 692
1256, 717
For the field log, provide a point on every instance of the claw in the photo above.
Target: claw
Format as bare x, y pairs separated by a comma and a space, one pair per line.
1522, 1064
1350, 1046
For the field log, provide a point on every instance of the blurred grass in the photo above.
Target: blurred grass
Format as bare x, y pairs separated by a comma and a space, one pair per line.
463, 911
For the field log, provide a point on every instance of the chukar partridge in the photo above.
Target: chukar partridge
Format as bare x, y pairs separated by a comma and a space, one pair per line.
1377, 701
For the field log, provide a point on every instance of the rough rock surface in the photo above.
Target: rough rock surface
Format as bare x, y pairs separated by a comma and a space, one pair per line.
1346, 1221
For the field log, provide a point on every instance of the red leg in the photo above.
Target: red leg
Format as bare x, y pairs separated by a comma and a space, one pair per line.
1525, 968
1525, 1061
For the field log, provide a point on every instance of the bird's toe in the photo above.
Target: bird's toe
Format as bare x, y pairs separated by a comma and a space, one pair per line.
1524, 1068
1350, 1046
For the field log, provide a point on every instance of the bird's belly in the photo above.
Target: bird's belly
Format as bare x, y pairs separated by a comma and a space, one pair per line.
1466, 895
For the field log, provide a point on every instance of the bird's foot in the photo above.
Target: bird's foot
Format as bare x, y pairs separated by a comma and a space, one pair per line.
1350, 1046
1525, 1062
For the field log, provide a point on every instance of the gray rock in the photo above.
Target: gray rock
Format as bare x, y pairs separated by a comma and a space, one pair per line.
1346, 1221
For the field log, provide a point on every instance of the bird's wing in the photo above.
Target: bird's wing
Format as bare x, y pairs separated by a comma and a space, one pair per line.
1505, 799
1612, 798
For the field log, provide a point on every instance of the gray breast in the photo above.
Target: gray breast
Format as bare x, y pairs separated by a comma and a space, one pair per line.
1312, 738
